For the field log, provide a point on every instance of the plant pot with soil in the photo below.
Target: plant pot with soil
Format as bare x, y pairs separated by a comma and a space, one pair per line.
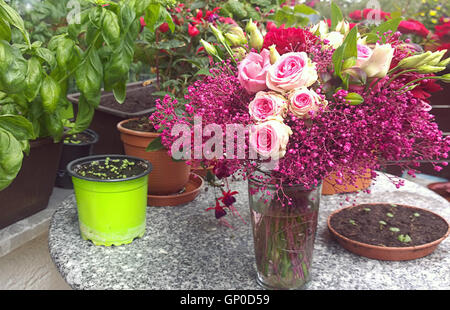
75, 146
388, 231
169, 178
111, 195
138, 103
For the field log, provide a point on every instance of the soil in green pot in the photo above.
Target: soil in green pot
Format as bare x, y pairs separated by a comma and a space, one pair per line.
110, 169
389, 225
141, 124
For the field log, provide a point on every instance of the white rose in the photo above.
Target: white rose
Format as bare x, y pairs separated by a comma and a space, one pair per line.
377, 66
335, 39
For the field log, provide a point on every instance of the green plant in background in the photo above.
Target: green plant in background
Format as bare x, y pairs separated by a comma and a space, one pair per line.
34, 79
431, 11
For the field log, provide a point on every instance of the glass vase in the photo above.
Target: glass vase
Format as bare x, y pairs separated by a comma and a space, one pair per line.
284, 226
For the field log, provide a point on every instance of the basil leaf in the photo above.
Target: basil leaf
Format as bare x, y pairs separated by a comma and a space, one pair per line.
33, 80
64, 51
111, 28
50, 94
11, 157
5, 30
18, 126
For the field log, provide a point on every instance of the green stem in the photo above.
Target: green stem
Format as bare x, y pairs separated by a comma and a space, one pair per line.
421, 79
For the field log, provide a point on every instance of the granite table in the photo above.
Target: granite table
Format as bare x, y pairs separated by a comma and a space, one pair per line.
187, 248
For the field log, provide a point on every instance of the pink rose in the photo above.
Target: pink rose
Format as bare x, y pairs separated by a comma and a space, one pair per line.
267, 106
364, 54
292, 70
253, 71
269, 139
302, 101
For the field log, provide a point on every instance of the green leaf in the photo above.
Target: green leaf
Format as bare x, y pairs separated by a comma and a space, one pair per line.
155, 145
13, 18
347, 50
120, 92
5, 30
111, 28
50, 94
64, 52
152, 15
89, 77
84, 117
203, 71
47, 55
18, 126
304, 9
13, 68
351, 44
11, 156
391, 24
336, 15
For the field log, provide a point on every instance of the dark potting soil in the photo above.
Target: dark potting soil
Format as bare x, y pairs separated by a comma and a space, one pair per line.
141, 124
79, 138
389, 225
110, 169
135, 101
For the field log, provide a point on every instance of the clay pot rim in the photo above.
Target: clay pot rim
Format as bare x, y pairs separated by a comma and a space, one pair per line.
387, 249
135, 132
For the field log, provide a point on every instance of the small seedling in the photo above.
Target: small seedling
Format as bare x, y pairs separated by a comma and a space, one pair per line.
404, 238
352, 222
367, 209
394, 205
416, 214
394, 229
389, 214
382, 224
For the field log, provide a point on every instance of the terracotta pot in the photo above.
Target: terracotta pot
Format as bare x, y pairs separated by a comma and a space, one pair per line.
330, 187
168, 176
386, 253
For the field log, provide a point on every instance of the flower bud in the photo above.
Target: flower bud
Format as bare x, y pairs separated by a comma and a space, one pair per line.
237, 31
218, 34
343, 27
320, 29
235, 40
256, 38
209, 48
413, 61
354, 99
444, 63
274, 55
427, 69
240, 53
435, 58
445, 78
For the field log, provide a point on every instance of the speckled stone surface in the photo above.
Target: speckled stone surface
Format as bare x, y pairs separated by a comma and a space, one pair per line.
187, 248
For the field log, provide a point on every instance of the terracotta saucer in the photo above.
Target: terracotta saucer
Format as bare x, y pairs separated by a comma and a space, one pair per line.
386, 253
188, 194
442, 188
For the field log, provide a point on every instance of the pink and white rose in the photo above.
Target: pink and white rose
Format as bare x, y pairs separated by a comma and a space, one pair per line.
269, 139
303, 100
364, 54
290, 71
253, 70
267, 106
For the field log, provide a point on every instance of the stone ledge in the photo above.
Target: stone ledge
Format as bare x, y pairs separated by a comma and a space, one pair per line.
17, 234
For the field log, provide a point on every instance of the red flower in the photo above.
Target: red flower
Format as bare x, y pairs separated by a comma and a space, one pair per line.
289, 40
193, 30
209, 13
164, 27
356, 15
227, 20
443, 30
143, 24
425, 88
270, 26
375, 13
414, 27
228, 198
219, 210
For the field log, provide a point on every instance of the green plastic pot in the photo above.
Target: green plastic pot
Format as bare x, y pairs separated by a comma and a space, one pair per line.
110, 212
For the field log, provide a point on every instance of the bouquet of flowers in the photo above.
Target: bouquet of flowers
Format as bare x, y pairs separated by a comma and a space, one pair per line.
302, 104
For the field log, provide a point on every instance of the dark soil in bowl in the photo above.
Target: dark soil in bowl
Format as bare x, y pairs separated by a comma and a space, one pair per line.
79, 138
110, 169
135, 101
389, 225
141, 124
